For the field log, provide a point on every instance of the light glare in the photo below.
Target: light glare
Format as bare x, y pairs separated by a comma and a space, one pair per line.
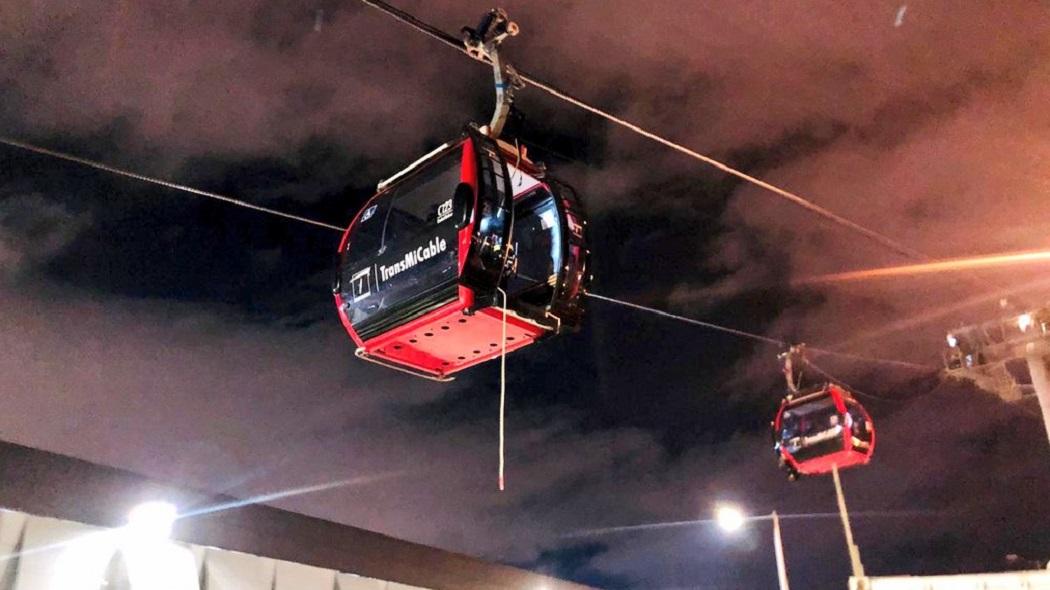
730, 518
1024, 321
937, 266
150, 521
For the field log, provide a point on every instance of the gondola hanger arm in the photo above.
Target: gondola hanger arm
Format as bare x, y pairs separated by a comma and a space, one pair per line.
483, 44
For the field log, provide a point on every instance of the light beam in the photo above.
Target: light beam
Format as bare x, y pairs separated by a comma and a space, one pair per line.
938, 266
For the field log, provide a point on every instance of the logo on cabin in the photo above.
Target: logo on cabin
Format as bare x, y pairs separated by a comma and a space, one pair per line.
368, 213
444, 211
413, 257
362, 284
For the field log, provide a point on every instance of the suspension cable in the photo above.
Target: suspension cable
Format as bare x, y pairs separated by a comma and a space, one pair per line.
851, 389
240, 203
758, 337
858, 357
692, 321
165, 183
792, 197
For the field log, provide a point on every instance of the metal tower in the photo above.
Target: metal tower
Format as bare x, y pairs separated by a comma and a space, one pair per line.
1010, 357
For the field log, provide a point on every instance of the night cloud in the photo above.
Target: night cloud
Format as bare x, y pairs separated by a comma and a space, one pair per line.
196, 343
33, 230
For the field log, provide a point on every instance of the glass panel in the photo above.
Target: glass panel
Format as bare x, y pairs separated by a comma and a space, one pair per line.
575, 264
537, 243
406, 248
809, 424
858, 420
492, 225
367, 236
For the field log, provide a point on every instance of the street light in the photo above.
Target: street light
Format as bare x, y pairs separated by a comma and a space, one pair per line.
152, 559
150, 522
731, 519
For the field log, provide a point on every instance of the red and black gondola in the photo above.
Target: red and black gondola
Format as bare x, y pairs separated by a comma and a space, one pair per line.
819, 430
426, 264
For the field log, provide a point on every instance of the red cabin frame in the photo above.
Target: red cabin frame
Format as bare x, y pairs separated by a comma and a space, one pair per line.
468, 330
852, 451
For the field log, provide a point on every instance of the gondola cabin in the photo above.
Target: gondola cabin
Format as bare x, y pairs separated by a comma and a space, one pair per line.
426, 262
817, 430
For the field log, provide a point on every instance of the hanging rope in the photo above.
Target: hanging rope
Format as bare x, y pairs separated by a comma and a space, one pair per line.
165, 183
502, 388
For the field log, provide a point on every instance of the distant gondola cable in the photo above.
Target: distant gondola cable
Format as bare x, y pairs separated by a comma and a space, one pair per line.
753, 336
810, 206
692, 321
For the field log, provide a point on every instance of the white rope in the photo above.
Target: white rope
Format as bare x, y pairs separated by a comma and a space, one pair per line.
517, 166
161, 182
502, 388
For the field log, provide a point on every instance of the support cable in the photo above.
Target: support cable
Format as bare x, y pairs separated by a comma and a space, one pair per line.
686, 320
753, 336
849, 387
165, 183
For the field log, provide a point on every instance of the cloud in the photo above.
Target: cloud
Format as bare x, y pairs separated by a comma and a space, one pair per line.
959, 188
191, 395
186, 336
187, 395
244, 78
33, 230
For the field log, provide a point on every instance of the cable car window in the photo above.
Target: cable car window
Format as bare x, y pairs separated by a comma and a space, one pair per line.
426, 201
493, 208
809, 420
859, 422
405, 254
356, 274
537, 244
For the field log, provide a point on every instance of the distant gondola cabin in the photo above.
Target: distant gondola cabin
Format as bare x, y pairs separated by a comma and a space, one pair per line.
818, 430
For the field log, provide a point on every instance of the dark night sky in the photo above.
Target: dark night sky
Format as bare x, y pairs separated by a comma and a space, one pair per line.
196, 343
